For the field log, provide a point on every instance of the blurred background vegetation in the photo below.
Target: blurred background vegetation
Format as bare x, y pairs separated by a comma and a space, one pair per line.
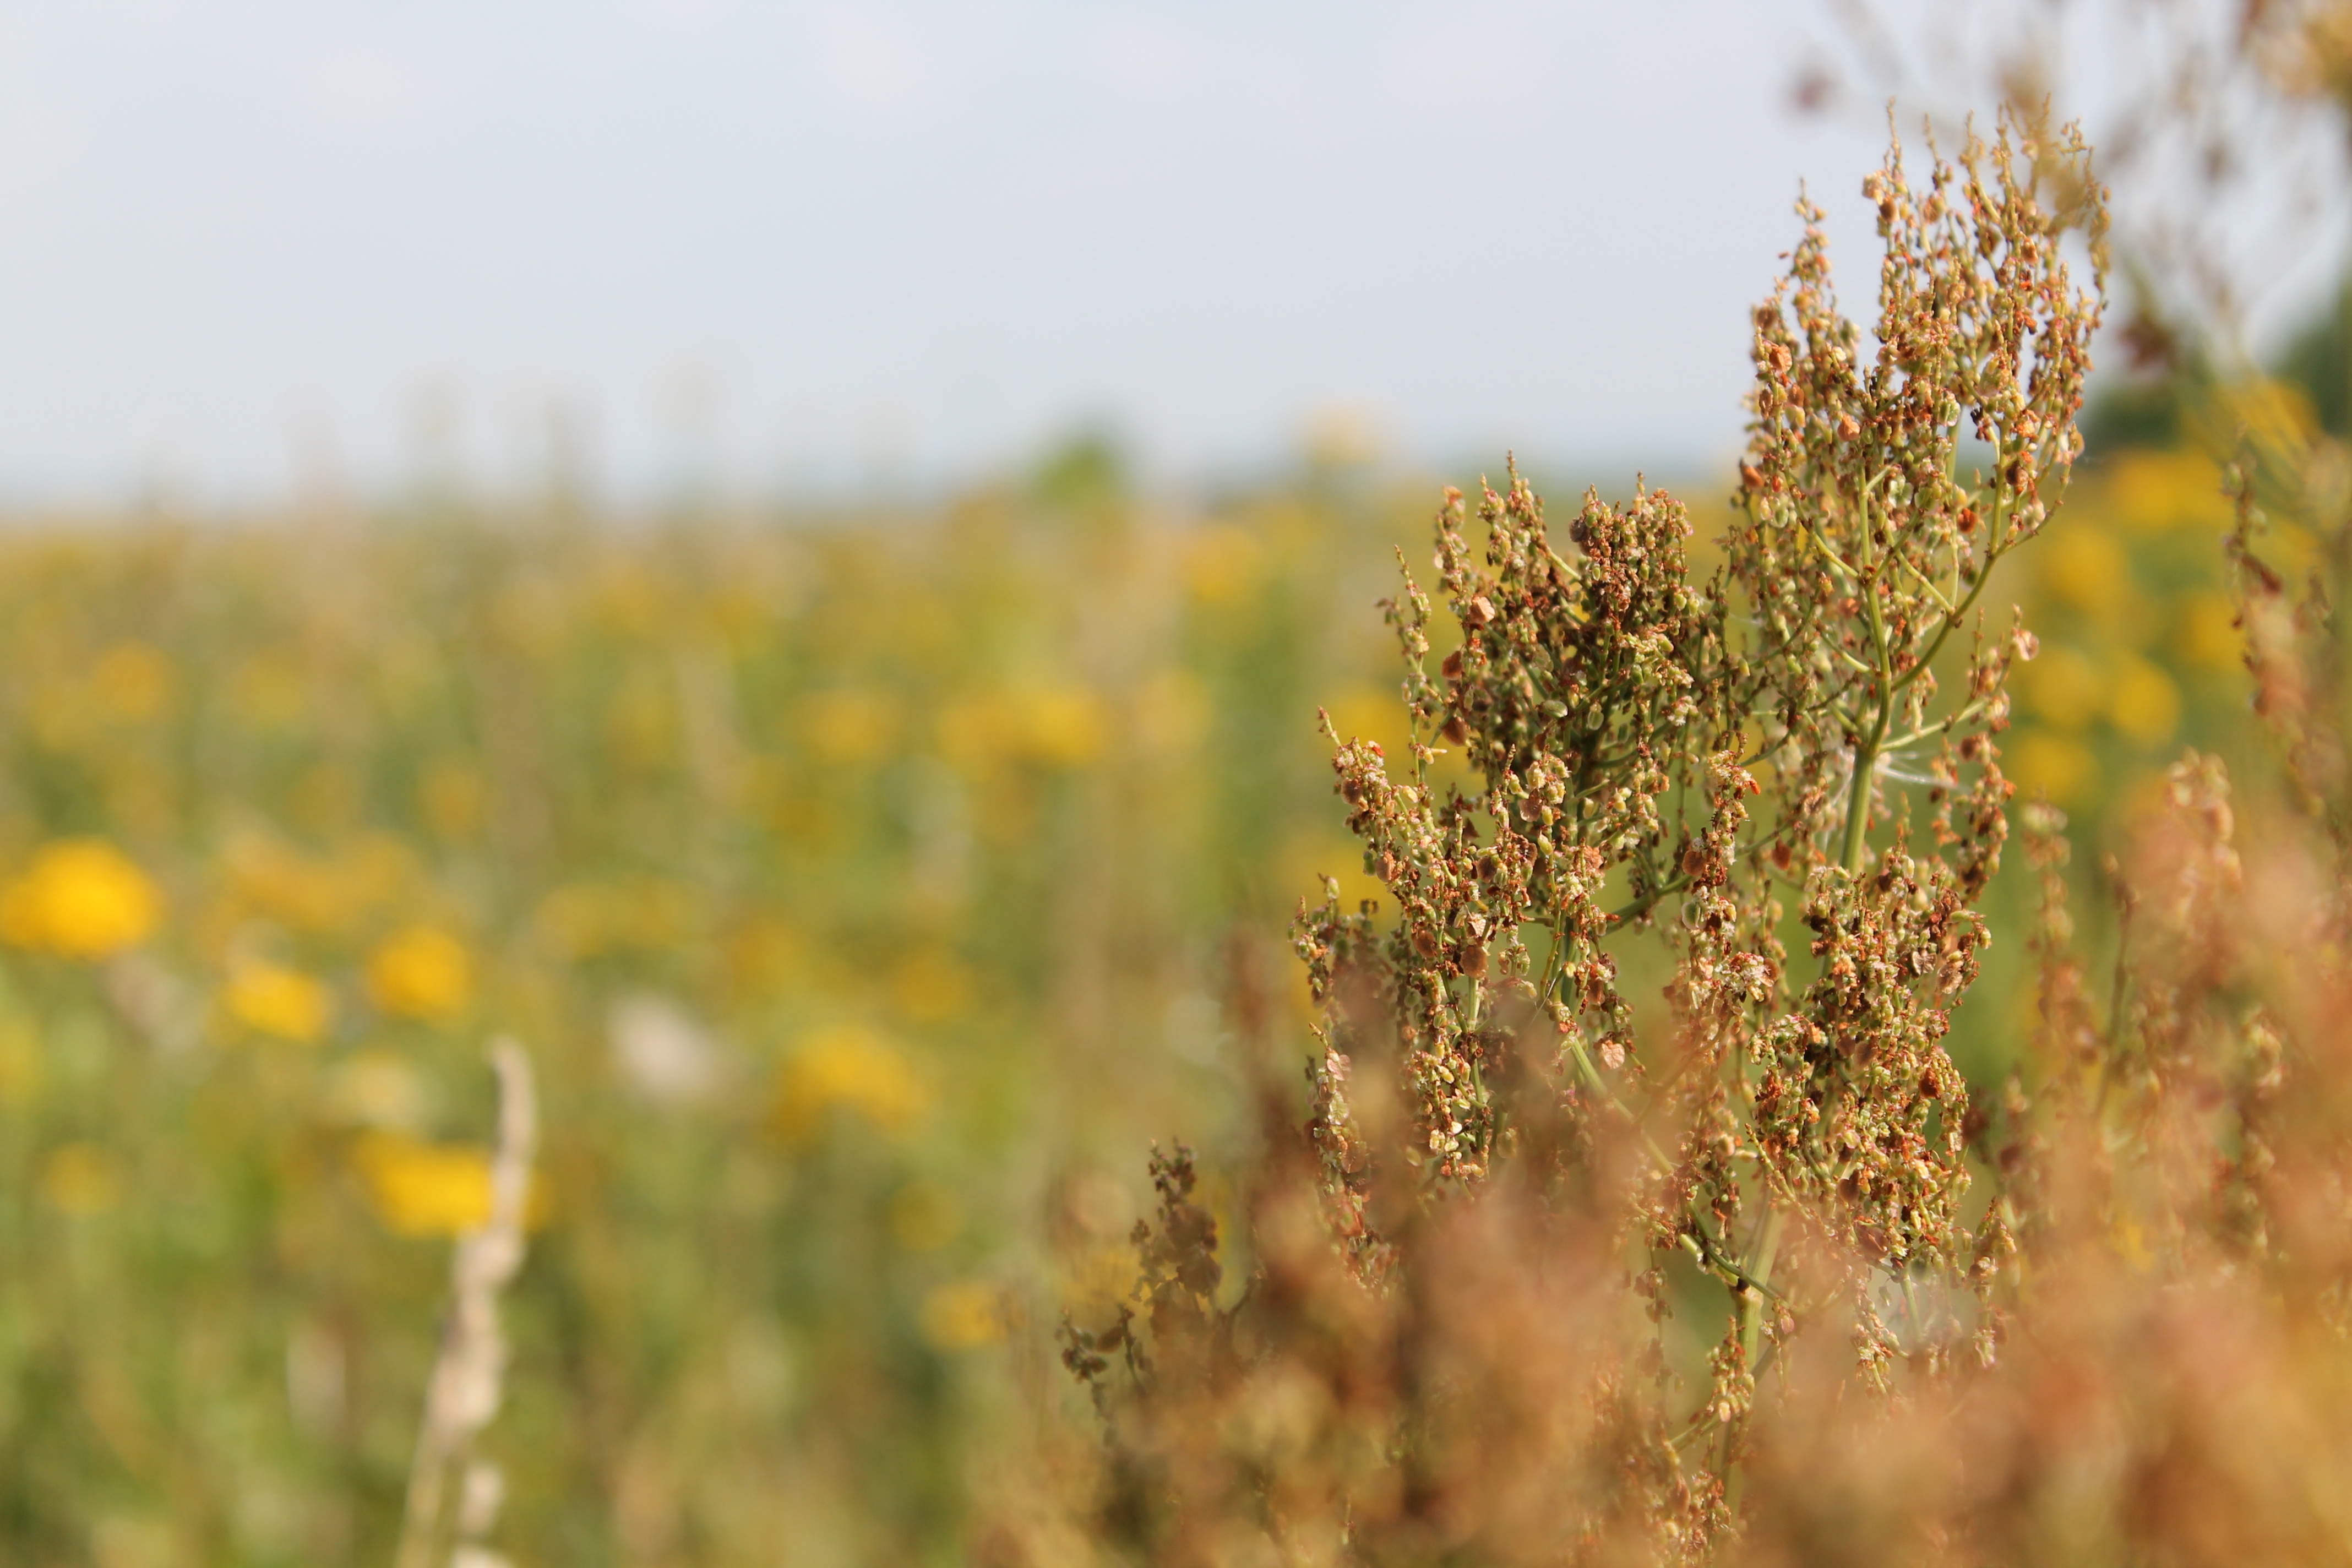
867, 889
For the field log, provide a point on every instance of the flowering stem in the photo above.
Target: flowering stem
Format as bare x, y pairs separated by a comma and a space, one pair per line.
1857, 805
1759, 1268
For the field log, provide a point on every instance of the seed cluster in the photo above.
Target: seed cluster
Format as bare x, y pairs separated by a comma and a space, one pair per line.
1621, 718
1777, 788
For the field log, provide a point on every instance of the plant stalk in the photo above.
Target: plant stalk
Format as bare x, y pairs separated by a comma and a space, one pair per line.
1759, 1266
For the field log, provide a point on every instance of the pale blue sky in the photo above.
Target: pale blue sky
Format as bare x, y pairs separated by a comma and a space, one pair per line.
819, 241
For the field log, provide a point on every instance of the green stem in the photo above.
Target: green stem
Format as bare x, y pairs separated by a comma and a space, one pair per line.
1857, 810
1866, 752
1857, 805
1751, 1338
1760, 1266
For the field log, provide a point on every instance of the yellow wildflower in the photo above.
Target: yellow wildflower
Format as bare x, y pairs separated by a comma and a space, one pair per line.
1221, 563
930, 987
1308, 858
81, 898
417, 1188
2086, 569
1063, 726
422, 971
1057, 726
271, 690
582, 920
2206, 631
763, 953
2151, 491
851, 1067
849, 726
2065, 687
328, 895
963, 1315
1095, 1283
132, 680
1368, 713
271, 999
2057, 765
2144, 702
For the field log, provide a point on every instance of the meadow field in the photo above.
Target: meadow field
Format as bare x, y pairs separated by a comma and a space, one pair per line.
868, 889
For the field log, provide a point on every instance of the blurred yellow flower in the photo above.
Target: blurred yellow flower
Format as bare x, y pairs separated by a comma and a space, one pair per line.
81, 898
1221, 563
2063, 688
1368, 713
2059, 766
762, 953
582, 920
417, 1188
423, 973
132, 680
2143, 702
1058, 726
326, 895
271, 999
1095, 1283
1307, 860
2129, 1239
964, 1315
2086, 568
849, 726
272, 689
2205, 631
2151, 490
1062, 726
931, 986
853, 1068
81, 1179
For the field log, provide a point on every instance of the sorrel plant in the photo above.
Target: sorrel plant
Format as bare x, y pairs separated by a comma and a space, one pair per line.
1450, 1340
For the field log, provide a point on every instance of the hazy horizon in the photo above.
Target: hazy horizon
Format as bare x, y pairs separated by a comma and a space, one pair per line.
256, 246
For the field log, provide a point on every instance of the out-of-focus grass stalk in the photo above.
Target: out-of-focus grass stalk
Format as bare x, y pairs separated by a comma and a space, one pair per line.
469, 1372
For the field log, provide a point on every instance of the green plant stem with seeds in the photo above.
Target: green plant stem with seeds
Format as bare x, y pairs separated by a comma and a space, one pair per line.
1796, 1138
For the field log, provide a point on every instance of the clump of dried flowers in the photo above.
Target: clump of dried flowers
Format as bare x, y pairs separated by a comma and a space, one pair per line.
1450, 1340
2102, 1313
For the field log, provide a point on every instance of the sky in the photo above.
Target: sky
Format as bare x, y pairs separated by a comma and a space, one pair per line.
248, 245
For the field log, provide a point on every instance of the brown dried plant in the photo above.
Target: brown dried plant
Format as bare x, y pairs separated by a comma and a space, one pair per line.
1947, 1332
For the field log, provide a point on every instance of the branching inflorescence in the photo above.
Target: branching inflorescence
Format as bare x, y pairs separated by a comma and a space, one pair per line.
1614, 755
1680, 757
